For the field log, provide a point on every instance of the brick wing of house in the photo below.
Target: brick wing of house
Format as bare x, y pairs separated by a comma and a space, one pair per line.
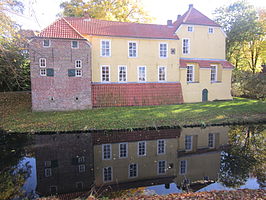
80, 63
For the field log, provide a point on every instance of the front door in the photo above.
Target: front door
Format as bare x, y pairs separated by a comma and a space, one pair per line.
204, 95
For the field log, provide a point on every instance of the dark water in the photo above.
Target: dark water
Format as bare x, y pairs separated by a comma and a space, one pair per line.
132, 163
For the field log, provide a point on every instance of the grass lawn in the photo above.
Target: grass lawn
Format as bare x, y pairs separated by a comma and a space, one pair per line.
16, 115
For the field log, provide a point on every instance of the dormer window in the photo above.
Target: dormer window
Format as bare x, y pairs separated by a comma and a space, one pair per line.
74, 44
46, 43
190, 28
211, 30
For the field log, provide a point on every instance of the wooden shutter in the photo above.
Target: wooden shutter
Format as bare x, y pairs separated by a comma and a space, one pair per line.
50, 72
71, 72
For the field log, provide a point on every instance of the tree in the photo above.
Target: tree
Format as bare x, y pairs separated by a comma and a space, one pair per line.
14, 71
245, 34
114, 10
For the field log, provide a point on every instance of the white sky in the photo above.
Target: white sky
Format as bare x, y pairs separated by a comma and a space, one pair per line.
161, 10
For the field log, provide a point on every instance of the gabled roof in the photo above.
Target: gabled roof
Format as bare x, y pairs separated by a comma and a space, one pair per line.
194, 17
205, 63
61, 29
91, 26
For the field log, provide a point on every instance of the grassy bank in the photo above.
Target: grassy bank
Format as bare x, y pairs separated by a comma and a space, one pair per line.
16, 115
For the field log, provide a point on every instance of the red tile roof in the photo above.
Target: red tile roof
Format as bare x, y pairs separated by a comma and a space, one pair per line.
195, 17
205, 63
122, 29
61, 29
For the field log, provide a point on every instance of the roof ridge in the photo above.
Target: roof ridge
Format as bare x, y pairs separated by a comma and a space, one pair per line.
72, 27
188, 13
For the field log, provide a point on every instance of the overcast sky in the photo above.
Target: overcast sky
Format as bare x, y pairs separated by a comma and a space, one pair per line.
162, 10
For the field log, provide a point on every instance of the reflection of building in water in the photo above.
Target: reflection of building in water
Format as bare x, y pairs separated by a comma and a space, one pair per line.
64, 163
135, 159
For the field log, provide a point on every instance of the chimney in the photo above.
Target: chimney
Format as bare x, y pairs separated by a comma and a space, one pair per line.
190, 6
169, 23
178, 16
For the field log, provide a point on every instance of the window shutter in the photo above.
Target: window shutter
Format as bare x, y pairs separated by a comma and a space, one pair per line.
50, 72
54, 163
71, 72
74, 161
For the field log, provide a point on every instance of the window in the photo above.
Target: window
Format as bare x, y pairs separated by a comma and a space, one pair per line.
161, 167
160, 146
183, 167
43, 72
190, 28
190, 73
141, 73
188, 142
46, 43
213, 73
82, 168
122, 73
106, 152
78, 72
107, 174
53, 189
79, 185
42, 62
81, 159
105, 73
123, 150
48, 172
78, 63
211, 138
210, 30
74, 44
132, 49
161, 73
132, 170
48, 163
105, 48
142, 148
185, 46
163, 50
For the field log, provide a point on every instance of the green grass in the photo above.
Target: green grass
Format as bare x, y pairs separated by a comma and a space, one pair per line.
16, 115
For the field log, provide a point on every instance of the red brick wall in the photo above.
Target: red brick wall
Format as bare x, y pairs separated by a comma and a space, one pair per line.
136, 94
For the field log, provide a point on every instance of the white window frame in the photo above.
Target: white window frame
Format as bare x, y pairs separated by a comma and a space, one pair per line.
82, 168
136, 49
164, 147
48, 163
43, 72
118, 70
40, 63
103, 151
145, 150
124, 156
166, 52
81, 159
193, 73
102, 73
165, 72
188, 47
48, 172
210, 30
136, 170
101, 48
78, 73
44, 45
105, 181
139, 74
181, 172
192, 28
188, 142
78, 64
215, 75
211, 141
158, 167
72, 44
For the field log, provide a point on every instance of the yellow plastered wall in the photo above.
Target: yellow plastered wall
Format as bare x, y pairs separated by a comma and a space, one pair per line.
202, 43
192, 92
148, 55
147, 165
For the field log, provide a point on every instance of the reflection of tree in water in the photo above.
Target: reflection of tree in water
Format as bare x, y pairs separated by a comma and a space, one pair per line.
12, 177
245, 155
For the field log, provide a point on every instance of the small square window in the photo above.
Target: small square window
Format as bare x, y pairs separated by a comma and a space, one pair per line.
78, 72
46, 43
43, 72
74, 44
190, 28
81, 159
211, 30
53, 189
78, 63
48, 172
